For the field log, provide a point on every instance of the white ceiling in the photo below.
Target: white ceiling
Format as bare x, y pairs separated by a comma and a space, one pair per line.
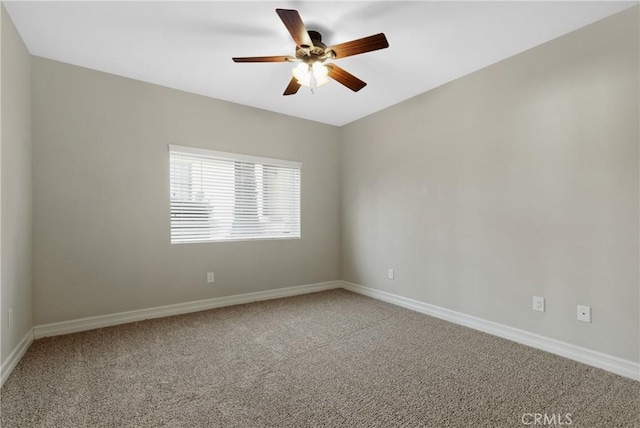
189, 45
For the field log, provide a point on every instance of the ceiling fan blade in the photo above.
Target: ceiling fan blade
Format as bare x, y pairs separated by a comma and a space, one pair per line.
342, 76
294, 24
359, 46
263, 59
293, 87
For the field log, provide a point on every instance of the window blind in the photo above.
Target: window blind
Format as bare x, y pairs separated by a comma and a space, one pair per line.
217, 196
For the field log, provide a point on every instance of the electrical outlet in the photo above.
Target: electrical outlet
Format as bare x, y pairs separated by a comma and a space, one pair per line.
390, 274
538, 304
10, 318
210, 277
584, 313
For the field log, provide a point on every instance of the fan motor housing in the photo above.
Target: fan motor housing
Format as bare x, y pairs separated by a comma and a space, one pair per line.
316, 53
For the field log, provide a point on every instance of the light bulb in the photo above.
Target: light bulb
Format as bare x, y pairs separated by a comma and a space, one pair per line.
320, 71
312, 76
301, 73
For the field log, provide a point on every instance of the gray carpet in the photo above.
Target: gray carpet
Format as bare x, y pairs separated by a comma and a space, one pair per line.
325, 359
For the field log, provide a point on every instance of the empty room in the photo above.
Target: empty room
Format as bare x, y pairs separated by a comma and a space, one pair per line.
314, 213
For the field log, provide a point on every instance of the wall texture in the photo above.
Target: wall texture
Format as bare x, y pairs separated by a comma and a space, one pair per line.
101, 196
517, 180
16, 188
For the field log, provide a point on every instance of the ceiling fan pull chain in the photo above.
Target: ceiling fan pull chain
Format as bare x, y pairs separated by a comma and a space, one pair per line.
313, 82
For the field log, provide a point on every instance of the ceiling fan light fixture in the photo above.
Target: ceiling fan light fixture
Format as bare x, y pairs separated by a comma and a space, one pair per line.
311, 75
312, 53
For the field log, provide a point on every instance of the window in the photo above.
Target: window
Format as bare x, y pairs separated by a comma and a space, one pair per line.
218, 196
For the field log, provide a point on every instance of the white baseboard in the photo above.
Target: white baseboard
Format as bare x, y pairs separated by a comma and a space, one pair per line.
610, 363
616, 365
14, 357
73, 326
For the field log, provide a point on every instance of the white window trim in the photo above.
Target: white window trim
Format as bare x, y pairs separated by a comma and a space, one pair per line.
247, 158
235, 156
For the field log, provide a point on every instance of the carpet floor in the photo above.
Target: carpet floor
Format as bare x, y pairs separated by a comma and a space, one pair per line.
331, 359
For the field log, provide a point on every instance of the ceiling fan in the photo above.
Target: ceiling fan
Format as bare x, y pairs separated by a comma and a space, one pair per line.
311, 53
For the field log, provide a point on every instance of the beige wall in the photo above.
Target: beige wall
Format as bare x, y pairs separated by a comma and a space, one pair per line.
517, 180
16, 188
101, 192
